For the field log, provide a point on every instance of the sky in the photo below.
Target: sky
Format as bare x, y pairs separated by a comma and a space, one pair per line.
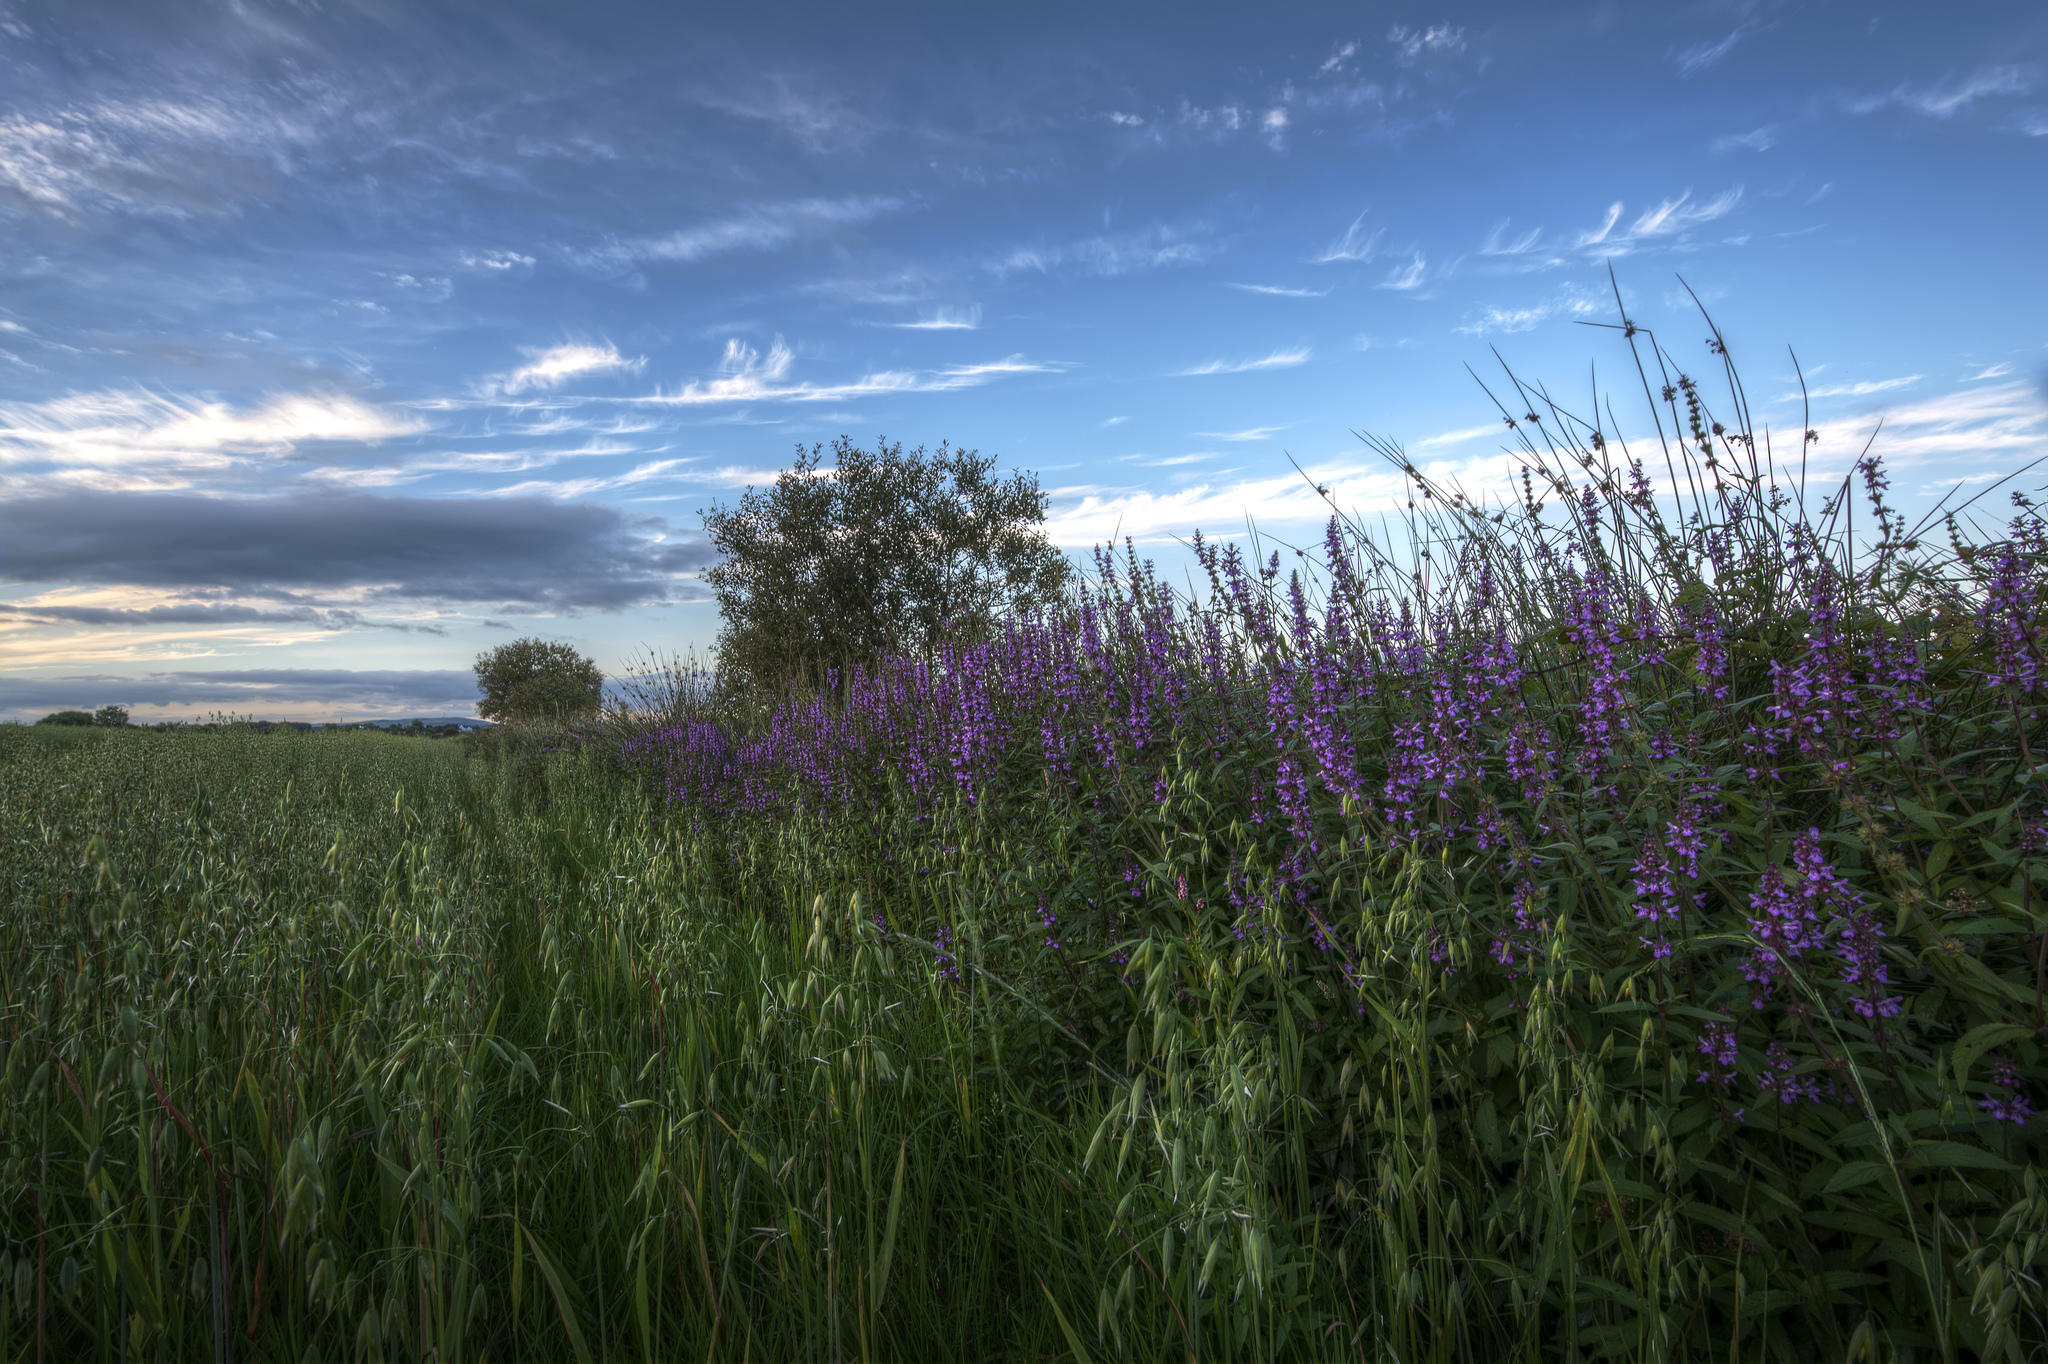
341, 341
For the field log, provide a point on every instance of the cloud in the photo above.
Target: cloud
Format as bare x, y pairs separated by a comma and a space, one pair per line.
1706, 54
945, 320
262, 693
1997, 371
746, 375
1571, 302
1112, 421
1412, 44
1336, 60
528, 551
1458, 437
1756, 140
1356, 244
1279, 359
198, 156
820, 118
496, 262
1988, 422
1670, 218
1409, 277
1497, 242
635, 477
134, 435
199, 613
1944, 99
768, 227
1856, 390
1253, 433
1280, 290
550, 367
1123, 120
1125, 253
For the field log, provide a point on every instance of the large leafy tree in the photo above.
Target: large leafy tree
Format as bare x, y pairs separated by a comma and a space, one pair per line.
880, 551
537, 679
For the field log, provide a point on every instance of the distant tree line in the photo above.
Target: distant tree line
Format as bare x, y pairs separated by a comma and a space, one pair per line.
108, 716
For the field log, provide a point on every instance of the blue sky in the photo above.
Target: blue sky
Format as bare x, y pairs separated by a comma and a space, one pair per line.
340, 342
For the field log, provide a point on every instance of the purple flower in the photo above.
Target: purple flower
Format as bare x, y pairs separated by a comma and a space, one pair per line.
2008, 622
1777, 1078
1050, 922
1656, 902
1717, 1044
2012, 1108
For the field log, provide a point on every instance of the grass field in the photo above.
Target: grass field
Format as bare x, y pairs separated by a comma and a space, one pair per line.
339, 1046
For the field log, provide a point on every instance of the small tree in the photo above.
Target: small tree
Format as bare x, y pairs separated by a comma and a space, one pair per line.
537, 679
114, 716
883, 552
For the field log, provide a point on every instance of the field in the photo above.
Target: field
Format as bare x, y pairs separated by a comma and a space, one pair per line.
1604, 936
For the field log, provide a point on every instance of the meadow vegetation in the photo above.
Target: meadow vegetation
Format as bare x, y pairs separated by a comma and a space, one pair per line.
1598, 926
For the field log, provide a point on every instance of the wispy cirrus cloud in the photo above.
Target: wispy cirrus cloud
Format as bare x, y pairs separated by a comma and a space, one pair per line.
1861, 389
944, 320
1458, 437
1990, 422
552, 366
1670, 218
1493, 319
1354, 244
1279, 359
1705, 55
1499, 243
193, 155
1112, 254
142, 439
746, 375
1946, 98
1409, 277
766, 227
1755, 140
1250, 433
1280, 290
1411, 45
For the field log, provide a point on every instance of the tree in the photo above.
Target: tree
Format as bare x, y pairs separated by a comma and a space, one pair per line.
67, 717
115, 716
882, 553
537, 679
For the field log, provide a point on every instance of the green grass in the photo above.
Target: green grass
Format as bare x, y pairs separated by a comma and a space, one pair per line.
354, 1046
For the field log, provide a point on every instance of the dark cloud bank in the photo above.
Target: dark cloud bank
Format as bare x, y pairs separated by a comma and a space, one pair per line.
518, 551
261, 692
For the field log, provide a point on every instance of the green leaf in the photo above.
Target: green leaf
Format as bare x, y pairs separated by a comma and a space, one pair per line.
1066, 1327
1924, 1155
563, 1302
1853, 1175
1979, 1040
